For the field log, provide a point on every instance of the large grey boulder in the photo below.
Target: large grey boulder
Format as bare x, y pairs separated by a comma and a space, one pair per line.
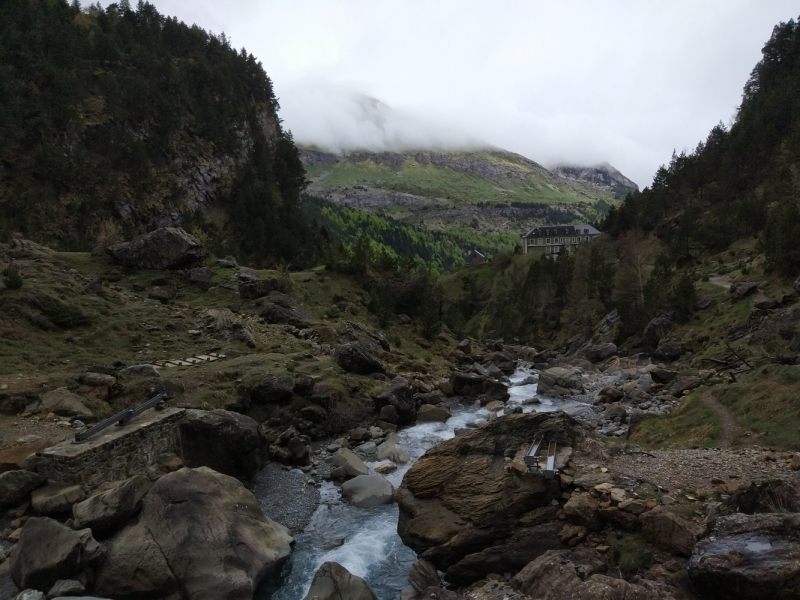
389, 450
16, 486
228, 442
655, 330
560, 381
428, 413
105, 512
333, 582
48, 551
354, 358
352, 465
56, 498
63, 403
600, 352
470, 385
210, 531
165, 248
749, 556
366, 491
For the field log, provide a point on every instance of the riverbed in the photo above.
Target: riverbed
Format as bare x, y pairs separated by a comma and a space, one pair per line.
365, 541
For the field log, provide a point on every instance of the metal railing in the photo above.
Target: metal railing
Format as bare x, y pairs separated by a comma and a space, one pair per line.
533, 455
120, 419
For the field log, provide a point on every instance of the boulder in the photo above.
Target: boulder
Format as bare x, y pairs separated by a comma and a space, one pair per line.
30, 595
283, 315
428, 413
600, 352
471, 385
16, 486
741, 290
669, 531
56, 498
654, 331
354, 358
227, 442
668, 350
684, 384
165, 248
108, 511
66, 587
16, 456
210, 533
352, 465
251, 289
366, 491
229, 262
399, 395
423, 575
464, 346
388, 450
749, 556
98, 379
271, 389
143, 370
561, 575
63, 403
607, 395
663, 375
459, 500
560, 381
614, 410
48, 551
583, 509
201, 275
333, 582
389, 414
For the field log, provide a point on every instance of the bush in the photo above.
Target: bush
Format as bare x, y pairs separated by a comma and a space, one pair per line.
61, 313
12, 278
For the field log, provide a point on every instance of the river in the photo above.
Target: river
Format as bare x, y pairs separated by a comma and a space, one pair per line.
365, 541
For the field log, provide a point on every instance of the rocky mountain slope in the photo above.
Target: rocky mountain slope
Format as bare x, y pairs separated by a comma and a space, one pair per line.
487, 189
604, 177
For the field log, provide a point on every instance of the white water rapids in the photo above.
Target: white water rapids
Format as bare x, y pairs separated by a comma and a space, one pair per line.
365, 541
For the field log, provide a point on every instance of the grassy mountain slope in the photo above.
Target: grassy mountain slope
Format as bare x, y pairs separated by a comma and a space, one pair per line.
485, 189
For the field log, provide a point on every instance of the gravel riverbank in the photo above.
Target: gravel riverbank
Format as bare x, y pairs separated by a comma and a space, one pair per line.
286, 496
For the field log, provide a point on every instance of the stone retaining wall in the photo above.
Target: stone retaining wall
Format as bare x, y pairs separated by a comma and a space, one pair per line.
115, 454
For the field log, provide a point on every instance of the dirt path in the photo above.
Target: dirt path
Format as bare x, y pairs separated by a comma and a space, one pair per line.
730, 428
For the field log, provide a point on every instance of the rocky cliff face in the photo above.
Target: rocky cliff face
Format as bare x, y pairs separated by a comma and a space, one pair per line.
603, 177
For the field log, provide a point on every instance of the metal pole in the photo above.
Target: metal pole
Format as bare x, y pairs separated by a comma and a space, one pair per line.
121, 418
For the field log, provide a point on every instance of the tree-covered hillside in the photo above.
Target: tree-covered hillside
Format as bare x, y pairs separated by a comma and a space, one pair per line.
743, 180
116, 120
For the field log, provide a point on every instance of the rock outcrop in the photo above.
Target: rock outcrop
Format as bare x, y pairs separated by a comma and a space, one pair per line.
63, 403
462, 498
400, 397
225, 441
473, 385
198, 531
353, 358
333, 582
560, 381
48, 551
749, 556
16, 486
165, 248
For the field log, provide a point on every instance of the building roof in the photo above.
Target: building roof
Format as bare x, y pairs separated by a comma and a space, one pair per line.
565, 230
473, 252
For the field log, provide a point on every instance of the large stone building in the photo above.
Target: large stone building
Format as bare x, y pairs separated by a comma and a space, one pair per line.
552, 239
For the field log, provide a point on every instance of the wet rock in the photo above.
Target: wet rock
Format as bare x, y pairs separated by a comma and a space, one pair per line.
428, 413
366, 491
333, 582
353, 358
749, 556
669, 531
423, 575
228, 442
48, 551
443, 523
389, 450
66, 587
352, 465
108, 511
165, 248
16, 486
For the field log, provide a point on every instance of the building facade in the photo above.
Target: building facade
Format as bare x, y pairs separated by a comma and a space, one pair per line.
552, 239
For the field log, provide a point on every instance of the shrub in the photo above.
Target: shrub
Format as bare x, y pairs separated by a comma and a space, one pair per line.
12, 278
62, 314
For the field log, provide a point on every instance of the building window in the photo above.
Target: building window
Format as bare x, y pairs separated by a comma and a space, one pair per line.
548, 240
562, 240
541, 241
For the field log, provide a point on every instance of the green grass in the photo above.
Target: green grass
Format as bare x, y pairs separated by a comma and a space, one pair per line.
693, 423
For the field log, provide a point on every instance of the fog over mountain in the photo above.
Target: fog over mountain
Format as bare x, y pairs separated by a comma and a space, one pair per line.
579, 82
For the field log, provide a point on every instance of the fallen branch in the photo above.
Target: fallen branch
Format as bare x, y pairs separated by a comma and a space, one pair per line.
737, 356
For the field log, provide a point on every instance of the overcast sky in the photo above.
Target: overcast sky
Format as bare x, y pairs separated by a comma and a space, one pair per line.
559, 81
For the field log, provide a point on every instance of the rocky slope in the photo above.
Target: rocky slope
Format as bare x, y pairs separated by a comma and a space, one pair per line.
604, 177
487, 189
